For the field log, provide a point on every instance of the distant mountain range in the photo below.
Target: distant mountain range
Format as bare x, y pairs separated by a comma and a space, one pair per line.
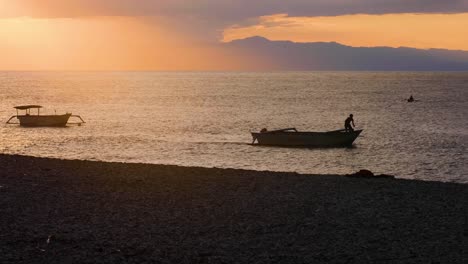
287, 55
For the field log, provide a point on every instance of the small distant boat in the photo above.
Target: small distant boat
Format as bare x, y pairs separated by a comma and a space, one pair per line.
290, 137
33, 120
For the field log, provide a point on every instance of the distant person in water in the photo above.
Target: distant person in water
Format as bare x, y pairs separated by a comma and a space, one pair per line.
349, 123
411, 99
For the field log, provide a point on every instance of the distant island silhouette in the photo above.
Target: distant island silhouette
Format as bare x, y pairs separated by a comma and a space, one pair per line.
288, 55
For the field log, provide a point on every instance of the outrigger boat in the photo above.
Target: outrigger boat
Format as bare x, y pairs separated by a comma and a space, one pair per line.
29, 120
290, 137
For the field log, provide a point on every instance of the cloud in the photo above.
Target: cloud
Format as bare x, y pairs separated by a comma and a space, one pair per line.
226, 11
421, 31
202, 22
207, 18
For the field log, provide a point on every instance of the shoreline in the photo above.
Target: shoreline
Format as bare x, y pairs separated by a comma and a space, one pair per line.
240, 170
56, 211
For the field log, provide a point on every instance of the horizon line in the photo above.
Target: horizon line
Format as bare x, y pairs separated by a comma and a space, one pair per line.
225, 71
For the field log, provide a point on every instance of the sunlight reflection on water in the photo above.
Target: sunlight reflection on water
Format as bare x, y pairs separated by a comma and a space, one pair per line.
204, 119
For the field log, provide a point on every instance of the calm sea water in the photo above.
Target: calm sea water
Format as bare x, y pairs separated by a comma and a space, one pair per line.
204, 119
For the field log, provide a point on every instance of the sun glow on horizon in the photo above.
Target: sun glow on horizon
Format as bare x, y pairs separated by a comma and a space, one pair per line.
163, 43
101, 43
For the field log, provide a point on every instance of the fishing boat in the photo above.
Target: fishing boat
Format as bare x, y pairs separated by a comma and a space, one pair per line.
33, 120
290, 137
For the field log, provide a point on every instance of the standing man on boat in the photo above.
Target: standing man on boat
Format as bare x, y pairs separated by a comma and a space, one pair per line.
348, 122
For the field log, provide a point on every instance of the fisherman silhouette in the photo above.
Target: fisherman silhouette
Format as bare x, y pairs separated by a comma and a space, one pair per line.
348, 123
411, 99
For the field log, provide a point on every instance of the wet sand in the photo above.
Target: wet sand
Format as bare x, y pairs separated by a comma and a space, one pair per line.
58, 211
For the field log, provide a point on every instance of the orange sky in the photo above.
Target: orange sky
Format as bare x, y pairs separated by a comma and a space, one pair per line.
102, 43
446, 31
150, 43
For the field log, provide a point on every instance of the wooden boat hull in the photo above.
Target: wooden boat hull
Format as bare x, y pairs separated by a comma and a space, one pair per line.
337, 138
43, 120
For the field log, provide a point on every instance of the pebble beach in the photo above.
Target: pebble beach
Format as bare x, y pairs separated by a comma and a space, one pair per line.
72, 211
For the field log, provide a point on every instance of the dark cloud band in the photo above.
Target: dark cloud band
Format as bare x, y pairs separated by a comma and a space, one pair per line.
228, 11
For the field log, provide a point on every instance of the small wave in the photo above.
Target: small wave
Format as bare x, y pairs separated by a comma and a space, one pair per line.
220, 143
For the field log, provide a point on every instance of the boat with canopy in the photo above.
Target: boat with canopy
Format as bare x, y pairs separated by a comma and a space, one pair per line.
37, 120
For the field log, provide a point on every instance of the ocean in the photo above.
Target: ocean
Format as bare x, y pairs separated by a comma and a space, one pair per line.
205, 118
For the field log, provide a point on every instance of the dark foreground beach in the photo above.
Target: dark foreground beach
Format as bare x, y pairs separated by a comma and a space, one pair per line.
57, 211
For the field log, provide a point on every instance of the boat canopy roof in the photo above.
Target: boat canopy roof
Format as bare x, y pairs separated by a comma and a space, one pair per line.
24, 107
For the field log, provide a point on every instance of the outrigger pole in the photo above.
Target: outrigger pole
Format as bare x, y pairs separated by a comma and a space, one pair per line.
77, 123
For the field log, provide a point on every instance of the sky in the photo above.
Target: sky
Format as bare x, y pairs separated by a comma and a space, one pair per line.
187, 34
